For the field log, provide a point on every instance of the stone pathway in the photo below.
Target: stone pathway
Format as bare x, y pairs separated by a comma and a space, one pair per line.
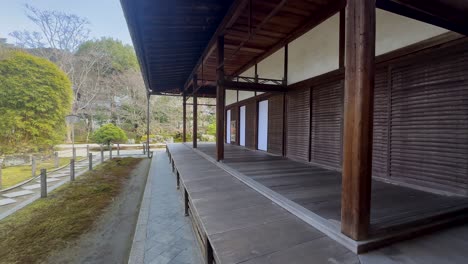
164, 235
17, 198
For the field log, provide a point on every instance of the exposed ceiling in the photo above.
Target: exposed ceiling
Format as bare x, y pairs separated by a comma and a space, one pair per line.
176, 39
170, 35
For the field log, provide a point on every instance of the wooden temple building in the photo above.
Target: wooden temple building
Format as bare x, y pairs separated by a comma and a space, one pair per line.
349, 118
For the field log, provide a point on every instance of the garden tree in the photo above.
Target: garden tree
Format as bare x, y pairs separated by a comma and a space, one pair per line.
122, 56
133, 100
108, 134
90, 82
109, 79
59, 36
107, 82
35, 97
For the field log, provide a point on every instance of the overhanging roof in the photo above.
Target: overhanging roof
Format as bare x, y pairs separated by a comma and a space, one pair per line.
170, 35
176, 39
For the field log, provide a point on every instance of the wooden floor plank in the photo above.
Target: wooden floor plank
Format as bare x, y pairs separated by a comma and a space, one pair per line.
241, 224
319, 189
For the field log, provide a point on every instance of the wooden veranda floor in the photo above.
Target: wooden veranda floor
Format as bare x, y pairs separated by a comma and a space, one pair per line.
242, 226
319, 190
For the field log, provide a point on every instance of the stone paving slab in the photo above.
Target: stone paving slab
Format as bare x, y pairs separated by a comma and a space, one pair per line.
163, 234
32, 187
57, 175
17, 194
6, 201
50, 180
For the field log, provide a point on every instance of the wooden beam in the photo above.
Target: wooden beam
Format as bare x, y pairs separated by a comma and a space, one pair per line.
421, 15
195, 112
236, 9
255, 87
252, 34
220, 99
204, 104
358, 109
184, 118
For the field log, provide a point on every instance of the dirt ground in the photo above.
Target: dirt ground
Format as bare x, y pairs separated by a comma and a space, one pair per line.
111, 238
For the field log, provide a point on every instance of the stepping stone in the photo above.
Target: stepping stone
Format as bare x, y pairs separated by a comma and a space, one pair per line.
32, 187
17, 194
6, 201
49, 180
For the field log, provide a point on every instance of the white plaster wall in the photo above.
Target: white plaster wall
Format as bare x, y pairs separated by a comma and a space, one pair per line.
231, 96
272, 67
316, 52
394, 31
245, 95
249, 73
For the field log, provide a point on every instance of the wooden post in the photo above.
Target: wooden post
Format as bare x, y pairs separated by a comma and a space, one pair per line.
186, 203
118, 149
90, 158
220, 100
33, 166
56, 160
358, 109
208, 252
148, 124
72, 169
184, 118
256, 74
177, 180
87, 150
43, 183
195, 112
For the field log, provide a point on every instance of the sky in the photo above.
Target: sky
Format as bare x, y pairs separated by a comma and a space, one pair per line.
105, 16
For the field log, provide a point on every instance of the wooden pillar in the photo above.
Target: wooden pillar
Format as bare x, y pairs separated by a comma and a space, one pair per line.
195, 111
184, 118
220, 100
358, 109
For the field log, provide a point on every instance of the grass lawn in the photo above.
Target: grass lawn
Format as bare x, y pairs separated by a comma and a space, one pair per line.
17, 174
33, 233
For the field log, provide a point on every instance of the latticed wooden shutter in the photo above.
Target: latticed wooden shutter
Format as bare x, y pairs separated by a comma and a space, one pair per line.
326, 126
429, 120
250, 125
298, 124
275, 124
380, 125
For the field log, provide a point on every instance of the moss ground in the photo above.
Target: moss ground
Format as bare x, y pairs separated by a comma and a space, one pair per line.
31, 234
14, 175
